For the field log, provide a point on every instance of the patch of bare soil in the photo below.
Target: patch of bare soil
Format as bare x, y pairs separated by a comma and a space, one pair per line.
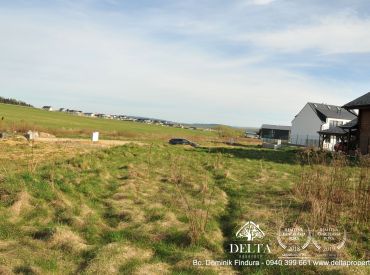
206, 255
153, 269
22, 203
100, 143
66, 239
46, 135
21, 155
111, 257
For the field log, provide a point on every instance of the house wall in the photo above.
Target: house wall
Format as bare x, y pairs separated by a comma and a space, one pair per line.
326, 125
364, 125
304, 128
306, 125
282, 134
329, 145
275, 134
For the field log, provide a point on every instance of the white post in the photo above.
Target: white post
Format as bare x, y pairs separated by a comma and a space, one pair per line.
95, 136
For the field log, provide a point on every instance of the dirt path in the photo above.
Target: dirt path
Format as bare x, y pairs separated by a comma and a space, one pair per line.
19, 155
100, 143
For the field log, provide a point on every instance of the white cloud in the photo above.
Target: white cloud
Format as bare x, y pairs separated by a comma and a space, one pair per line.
244, 3
330, 35
262, 2
122, 70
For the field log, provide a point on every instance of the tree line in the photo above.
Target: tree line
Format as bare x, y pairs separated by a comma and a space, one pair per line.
14, 101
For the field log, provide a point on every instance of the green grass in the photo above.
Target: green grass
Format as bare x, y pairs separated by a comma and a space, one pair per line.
143, 209
105, 211
67, 125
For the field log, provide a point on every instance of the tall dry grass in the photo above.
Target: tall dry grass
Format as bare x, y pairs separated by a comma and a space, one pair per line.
197, 212
24, 126
19, 127
32, 160
334, 188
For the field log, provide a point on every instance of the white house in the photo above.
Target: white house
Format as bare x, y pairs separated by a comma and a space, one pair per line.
89, 114
47, 108
316, 117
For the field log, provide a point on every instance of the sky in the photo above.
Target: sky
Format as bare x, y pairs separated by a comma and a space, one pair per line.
235, 62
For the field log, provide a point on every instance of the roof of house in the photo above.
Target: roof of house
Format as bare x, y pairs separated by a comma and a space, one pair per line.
362, 101
333, 131
350, 125
325, 111
275, 127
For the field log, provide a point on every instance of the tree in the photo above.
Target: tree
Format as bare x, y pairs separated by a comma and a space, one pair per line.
14, 101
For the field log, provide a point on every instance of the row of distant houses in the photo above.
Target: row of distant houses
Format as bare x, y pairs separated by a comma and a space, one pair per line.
327, 126
81, 113
121, 117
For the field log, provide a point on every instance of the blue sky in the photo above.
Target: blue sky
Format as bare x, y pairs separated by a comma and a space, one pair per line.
237, 62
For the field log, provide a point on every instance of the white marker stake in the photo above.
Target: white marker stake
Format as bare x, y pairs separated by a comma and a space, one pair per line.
95, 136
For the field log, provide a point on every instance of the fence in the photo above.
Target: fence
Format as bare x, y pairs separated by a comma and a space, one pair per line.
309, 141
274, 141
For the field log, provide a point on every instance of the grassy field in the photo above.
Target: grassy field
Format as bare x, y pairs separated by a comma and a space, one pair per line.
154, 208
66, 125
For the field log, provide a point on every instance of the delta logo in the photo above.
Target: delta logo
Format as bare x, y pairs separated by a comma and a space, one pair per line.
250, 236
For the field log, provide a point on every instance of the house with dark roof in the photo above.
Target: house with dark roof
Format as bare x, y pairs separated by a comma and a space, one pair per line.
268, 131
345, 135
47, 108
314, 118
89, 114
362, 104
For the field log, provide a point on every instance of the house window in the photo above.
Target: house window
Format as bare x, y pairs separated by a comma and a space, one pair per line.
335, 123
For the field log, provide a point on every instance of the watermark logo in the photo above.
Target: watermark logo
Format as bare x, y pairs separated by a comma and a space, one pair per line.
250, 231
248, 243
329, 239
293, 239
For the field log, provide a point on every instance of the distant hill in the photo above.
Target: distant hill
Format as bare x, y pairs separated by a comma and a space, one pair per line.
201, 125
196, 125
62, 124
14, 102
251, 129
